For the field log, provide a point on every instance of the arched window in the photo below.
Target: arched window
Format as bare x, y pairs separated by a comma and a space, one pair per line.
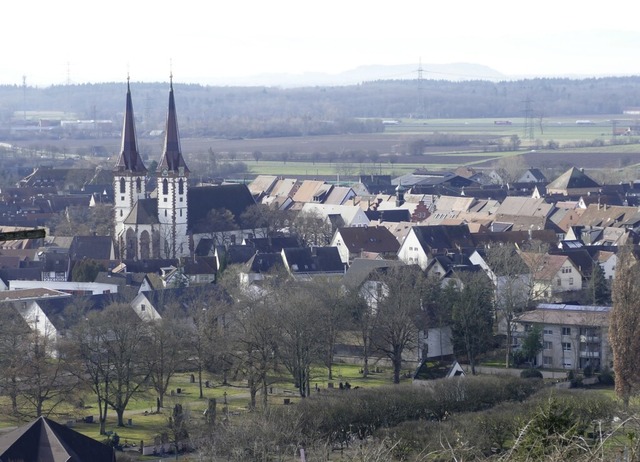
122, 186
138, 185
180, 187
165, 186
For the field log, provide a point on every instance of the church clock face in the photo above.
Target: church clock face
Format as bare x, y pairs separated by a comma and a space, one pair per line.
165, 172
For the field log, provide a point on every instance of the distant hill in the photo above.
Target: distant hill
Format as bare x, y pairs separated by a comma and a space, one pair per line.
453, 72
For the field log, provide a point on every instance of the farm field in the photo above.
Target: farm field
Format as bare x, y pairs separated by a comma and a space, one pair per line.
386, 152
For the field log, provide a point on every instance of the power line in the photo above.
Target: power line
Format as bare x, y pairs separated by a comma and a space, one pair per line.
528, 119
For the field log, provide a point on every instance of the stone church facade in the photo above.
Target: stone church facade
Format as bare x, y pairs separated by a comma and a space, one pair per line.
156, 224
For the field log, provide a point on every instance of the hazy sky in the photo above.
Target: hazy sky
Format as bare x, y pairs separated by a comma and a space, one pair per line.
52, 42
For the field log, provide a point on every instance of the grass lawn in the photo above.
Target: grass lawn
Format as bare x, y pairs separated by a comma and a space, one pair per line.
147, 424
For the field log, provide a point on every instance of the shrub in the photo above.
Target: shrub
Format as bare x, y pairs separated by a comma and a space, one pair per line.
606, 378
531, 374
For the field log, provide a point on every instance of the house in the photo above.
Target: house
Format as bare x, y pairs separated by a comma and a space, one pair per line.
552, 275
573, 181
532, 175
260, 266
423, 242
574, 337
433, 338
262, 185
338, 215
51, 314
352, 242
156, 304
340, 195
305, 262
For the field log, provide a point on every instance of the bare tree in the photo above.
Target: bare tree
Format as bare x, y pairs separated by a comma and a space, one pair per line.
121, 335
15, 337
43, 384
255, 338
298, 343
89, 360
220, 225
313, 229
334, 302
511, 279
208, 307
165, 350
398, 315
624, 326
472, 315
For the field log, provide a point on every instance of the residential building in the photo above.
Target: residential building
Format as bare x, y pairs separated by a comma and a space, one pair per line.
574, 337
353, 242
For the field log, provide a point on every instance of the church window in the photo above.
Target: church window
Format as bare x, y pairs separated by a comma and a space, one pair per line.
121, 213
180, 187
165, 187
165, 212
138, 185
122, 185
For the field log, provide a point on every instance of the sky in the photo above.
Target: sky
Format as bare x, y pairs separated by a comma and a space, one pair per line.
78, 41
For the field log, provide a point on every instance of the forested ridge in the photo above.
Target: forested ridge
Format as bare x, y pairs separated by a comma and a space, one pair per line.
271, 111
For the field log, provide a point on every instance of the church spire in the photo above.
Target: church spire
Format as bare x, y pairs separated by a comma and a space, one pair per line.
129, 160
172, 160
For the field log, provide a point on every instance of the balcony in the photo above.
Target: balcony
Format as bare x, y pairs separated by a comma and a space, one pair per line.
589, 354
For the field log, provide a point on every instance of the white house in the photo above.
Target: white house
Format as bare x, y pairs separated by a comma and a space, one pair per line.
349, 215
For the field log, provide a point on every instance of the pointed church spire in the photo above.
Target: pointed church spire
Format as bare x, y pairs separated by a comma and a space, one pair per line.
129, 160
172, 158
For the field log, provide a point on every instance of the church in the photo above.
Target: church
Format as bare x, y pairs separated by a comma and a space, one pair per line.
171, 220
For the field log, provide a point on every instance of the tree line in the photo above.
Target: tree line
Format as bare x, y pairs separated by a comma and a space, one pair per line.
271, 111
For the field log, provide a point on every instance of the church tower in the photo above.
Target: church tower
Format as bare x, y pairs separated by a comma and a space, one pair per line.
173, 176
129, 173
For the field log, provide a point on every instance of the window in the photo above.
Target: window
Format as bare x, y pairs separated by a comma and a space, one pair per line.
566, 346
547, 361
165, 186
180, 187
570, 281
547, 345
566, 331
547, 331
138, 185
566, 270
122, 186
558, 282
142, 307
